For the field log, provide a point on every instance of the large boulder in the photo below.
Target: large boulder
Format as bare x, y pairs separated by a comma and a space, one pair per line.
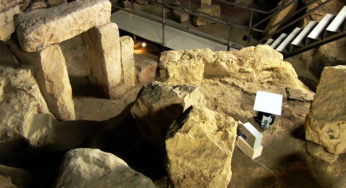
158, 105
86, 167
230, 80
199, 148
326, 123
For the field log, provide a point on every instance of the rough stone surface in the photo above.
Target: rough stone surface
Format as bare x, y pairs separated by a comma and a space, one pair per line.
185, 67
93, 168
213, 10
104, 56
6, 182
38, 29
51, 74
230, 80
7, 15
326, 123
128, 61
205, 3
273, 25
158, 105
76, 57
317, 152
145, 68
6, 22
200, 152
23, 111
6, 4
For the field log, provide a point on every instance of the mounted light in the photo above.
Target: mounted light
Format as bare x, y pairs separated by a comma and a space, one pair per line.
144, 44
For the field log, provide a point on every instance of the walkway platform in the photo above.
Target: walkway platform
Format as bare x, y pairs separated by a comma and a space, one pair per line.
151, 30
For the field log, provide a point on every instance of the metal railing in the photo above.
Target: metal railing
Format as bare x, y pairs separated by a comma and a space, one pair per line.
249, 28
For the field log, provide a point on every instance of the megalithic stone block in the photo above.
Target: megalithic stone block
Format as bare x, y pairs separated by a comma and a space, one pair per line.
103, 49
50, 71
39, 29
51, 74
128, 61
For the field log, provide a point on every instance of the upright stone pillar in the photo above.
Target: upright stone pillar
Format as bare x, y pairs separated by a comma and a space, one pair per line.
51, 74
128, 61
103, 49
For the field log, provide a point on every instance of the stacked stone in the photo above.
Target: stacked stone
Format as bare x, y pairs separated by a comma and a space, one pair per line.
40, 33
8, 8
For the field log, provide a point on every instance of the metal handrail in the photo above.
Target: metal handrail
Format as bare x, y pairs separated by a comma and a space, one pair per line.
177, 26
249, 28
293, 22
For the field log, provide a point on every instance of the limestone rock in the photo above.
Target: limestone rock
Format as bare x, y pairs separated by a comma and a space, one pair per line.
317, 152
85, 167
76, 57
158, 105
6, 4
6, 22
273, 24
128, 61
37, 30
145, 68
19, 177
51, 74
183, 67
7, 15
6, 182
326, 123
200, 152
213, 10
229, 80
24, 112
103, 49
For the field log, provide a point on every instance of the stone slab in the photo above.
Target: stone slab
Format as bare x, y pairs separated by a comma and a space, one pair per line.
42, 28
128, 61
50, 71
103, 49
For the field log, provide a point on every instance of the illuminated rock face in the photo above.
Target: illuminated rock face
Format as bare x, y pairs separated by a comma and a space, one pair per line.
229, 80
199, 154
326, 123
7, 10
158, 105
39, 29
51, 74
103, 51
85, 167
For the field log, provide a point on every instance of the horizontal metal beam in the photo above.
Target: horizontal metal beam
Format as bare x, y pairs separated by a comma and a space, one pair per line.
316, 44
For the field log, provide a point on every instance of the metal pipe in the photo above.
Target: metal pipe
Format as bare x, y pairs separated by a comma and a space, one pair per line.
229, 38
316, 44
163, 25
250, 26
